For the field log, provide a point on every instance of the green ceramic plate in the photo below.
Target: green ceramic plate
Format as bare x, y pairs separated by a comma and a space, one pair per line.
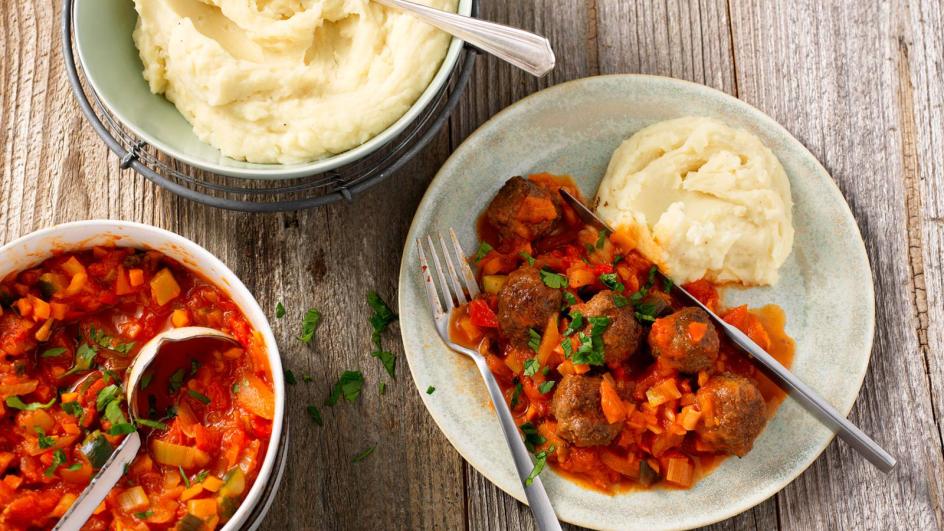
112, 66
825, 289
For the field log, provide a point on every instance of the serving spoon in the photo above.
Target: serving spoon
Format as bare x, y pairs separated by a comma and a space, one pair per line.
802, 393
114, 468
528, 51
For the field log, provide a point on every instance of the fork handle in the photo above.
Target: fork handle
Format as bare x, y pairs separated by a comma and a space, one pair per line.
537, 497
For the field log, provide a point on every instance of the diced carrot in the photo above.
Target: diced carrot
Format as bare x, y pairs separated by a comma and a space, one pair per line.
581, 368
63, 505
69, 397
688, 418
100, 509
680, 471
663, 392
212, 483
191, 492
73, 266
136, 277
24, 307
58, 310
256, 396
41, 309
122, 283
75, 285
696, 330
578, 275
164, 287
549, 341
180, 318
610, 401
12, 481
202, 508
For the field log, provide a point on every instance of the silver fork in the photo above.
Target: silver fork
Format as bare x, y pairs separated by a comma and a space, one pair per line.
451, 293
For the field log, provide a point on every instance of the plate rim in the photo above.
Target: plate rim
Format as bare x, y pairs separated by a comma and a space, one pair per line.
762, 494
274, 171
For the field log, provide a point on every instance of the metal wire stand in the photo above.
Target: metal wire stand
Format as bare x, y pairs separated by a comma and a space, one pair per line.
256, 195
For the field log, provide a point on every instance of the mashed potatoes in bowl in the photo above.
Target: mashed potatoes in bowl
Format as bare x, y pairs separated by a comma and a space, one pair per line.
287, 81
701, 200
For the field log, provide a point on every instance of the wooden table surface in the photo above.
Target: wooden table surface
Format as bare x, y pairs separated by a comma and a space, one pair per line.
860, 83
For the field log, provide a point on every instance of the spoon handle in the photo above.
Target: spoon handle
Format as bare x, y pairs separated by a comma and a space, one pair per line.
96, 491
529, 52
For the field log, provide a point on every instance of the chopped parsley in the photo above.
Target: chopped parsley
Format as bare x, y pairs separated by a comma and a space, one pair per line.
235, 388
553, 280
349, 385
106, 396
540, 463
601, 239
569, 299
483, 250
202, 475
307, 378
382, 388
183, 475
527, 256
546, 387
16, 402
618, 259
143, 515
121, 428
290, 377
590, 351
430, 390
58, 458
153, 424
279, 311
531, 366
84, 358
637, 297
73, 408
74, 466
388, 360
176, 381
315, 414
620, 301
667, 284
534, 341
576, 323
611, 280
145, 381
363, 455
53, 352
44, 440
532, 439
198, 396
309, 325
516, 394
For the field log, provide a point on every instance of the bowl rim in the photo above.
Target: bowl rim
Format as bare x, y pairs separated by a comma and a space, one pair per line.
250, 170
460, 152
230, 284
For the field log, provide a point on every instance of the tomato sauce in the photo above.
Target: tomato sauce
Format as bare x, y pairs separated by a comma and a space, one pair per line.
657, 444
69, 329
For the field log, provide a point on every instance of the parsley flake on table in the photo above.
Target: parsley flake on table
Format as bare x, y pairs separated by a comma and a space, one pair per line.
309, 325
315, 414
480, 253
382, 388
349, 386
430, 390
381, 318
611, 280
534, 339
279, 310
388, 360
553, 280
290, 377
363, 455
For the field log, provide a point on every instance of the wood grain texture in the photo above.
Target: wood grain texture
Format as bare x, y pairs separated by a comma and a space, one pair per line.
861, 84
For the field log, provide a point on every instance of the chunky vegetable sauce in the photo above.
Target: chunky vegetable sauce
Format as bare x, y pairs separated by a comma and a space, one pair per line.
614, 380
69, 329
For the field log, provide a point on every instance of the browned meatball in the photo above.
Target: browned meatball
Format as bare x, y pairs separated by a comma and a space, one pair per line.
685, 340
525, 302
733, 413
580, 419
621, 338
523, 209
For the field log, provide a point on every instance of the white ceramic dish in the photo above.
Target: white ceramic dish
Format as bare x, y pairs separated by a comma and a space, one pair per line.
113, 68
35, 247
573, 129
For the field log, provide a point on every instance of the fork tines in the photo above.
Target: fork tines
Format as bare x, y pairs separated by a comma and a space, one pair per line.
443, 285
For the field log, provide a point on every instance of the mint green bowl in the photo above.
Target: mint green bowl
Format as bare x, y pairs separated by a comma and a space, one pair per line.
113, 68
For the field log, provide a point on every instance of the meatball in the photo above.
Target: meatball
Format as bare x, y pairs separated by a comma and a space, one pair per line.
685, 340
734, 413
580, 418
621, 338
525, 302
523, 209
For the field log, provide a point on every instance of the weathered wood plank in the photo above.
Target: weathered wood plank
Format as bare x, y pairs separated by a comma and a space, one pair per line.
833, 74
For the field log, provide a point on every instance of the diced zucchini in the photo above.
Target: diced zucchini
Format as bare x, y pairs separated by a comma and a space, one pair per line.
190, 523
234, 483
97, 449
